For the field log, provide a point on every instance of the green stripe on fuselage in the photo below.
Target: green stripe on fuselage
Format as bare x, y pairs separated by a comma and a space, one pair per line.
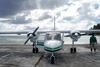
40, 43
53, 49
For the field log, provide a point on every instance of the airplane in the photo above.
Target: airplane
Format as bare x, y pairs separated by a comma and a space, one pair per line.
53, 40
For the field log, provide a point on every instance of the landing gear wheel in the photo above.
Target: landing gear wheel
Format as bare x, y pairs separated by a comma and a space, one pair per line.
33, 50
52, 59
73, 50
37, 50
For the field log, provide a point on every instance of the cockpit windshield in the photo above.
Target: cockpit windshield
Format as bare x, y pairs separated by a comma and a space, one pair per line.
55, 36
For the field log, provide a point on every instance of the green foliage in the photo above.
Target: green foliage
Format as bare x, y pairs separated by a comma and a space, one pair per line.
96, 26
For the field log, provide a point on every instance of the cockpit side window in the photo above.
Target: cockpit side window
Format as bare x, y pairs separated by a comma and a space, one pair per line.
48, 37
57, 37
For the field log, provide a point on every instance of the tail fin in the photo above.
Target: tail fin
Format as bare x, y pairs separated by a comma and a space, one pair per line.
54, 23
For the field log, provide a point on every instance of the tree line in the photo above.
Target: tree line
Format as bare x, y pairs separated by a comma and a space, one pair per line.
96, 26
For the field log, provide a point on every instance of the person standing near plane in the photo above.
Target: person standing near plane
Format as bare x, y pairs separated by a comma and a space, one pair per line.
93, 42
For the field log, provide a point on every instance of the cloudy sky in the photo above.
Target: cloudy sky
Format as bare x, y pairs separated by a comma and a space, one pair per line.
20, 15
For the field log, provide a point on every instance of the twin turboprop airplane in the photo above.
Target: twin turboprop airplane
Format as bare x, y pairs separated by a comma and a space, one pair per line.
53, 40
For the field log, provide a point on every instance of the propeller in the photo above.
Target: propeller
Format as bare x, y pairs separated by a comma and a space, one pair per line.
35, 31
31, 36
27, 40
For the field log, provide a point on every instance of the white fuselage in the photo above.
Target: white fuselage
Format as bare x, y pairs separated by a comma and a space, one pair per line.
53, 42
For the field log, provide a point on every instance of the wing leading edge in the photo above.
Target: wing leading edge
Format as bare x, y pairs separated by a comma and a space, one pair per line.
69, 31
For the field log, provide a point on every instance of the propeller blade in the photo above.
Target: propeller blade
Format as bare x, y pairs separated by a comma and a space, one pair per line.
35, 31
27, 40
28, 35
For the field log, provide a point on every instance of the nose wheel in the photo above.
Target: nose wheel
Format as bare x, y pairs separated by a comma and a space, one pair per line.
52, 59
73, 50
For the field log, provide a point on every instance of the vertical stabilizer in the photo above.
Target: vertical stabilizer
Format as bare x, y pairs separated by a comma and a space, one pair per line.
54, 23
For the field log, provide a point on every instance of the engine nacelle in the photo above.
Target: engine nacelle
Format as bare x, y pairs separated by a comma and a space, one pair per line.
75, 35
32, 38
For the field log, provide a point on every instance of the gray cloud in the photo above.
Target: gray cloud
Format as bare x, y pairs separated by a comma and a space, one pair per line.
20, 20
51, 4
40, 28
17, 20
9, 7
44, 16
85, 11
68, 18
12, 7
30, 28
5, 21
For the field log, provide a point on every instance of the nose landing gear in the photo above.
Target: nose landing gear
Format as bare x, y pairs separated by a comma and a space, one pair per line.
52, 59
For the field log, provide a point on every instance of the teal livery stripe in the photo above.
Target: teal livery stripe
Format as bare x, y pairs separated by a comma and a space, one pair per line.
53, 49
40, 43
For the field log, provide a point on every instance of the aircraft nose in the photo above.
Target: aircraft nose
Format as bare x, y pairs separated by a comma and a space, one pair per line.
52, 43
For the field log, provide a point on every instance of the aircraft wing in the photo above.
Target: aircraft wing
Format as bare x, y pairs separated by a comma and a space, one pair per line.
68, 31
14, 32
90, 31
26, 32
53, 31
82, 31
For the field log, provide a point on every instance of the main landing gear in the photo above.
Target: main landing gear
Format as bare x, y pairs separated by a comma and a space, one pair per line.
35, 49
73, 49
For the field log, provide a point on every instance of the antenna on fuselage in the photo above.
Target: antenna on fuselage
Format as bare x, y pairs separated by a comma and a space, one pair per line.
54, 23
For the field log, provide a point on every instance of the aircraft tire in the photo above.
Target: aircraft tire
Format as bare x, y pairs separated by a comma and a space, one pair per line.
71, 50
37, 50
74, 50
52, 59
33, 50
